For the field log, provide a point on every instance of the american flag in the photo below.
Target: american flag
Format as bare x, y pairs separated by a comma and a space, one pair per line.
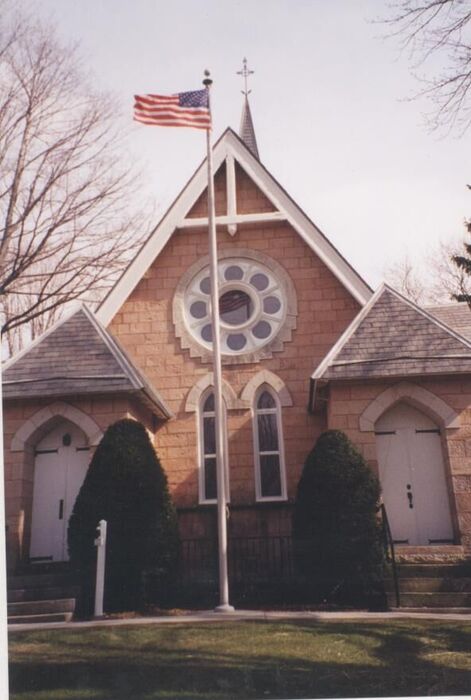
183, 109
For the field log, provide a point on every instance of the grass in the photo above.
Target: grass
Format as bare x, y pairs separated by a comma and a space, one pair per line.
224, 661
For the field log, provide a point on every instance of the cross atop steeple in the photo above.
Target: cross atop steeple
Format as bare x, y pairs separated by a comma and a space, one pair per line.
247, 131
245, 72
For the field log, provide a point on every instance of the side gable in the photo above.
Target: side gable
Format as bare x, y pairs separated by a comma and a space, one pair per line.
76, 356
235, 168
392, 336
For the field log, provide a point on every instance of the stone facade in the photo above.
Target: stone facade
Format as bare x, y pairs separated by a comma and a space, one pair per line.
153, 357
145, 328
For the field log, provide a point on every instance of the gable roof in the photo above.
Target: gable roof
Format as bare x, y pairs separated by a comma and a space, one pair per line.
392, 336
229, 149
77, 356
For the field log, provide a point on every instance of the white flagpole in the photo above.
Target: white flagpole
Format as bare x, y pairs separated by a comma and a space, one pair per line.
3, 568
224, 605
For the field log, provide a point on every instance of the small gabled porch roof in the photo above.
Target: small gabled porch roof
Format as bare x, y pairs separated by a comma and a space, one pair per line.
393, 337
77, 356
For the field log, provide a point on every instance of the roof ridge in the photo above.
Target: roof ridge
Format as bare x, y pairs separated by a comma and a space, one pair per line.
431, 317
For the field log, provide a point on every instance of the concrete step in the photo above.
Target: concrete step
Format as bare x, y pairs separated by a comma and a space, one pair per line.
458, 584
434, 611
42, 607
434, 570
432, 600
36, 619
39, 580
430, 554
18, 595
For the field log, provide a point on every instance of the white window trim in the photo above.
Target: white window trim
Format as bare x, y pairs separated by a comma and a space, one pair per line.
201, 455
281, 447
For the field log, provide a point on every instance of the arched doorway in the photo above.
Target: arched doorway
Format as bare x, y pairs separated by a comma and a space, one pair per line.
412, 475
61, 463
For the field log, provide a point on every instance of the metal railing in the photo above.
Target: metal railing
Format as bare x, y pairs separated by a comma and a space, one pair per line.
249, 558
388, 544
264, 563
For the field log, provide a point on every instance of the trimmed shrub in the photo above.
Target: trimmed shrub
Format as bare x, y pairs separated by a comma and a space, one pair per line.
126, 486
335, 525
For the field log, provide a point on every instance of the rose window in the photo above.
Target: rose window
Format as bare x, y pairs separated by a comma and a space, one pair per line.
251, 306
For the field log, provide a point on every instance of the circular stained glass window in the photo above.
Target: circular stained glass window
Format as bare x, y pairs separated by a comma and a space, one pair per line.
252, 305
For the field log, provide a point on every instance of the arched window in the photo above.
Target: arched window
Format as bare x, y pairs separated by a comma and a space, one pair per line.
270, 479
207, 457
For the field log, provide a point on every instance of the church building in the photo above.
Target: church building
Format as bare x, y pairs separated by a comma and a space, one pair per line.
306, 345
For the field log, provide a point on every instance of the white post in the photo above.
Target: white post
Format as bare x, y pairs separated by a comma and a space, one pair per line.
100, 544
217, 372
4, 692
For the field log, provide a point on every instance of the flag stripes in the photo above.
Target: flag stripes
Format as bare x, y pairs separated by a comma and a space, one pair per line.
187, 109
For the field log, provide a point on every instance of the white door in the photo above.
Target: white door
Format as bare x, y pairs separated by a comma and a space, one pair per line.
61, 464
412, 477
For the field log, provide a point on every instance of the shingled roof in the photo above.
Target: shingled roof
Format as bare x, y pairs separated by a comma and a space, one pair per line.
456, 316
77, 356
391, 337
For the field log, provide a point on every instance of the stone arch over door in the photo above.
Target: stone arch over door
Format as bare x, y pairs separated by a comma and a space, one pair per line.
422, 399
40, 423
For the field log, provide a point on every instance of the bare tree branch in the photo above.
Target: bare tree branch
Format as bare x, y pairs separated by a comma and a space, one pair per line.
67, 225
438, 281
431, 28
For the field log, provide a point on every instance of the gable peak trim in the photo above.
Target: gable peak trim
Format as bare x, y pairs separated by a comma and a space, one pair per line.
230, 145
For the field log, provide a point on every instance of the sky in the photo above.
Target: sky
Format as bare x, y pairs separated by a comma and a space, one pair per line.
330, 100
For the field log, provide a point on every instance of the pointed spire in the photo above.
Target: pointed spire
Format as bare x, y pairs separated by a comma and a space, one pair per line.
247, 131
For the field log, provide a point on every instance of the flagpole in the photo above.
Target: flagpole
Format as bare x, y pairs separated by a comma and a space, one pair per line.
224, 605
3, 568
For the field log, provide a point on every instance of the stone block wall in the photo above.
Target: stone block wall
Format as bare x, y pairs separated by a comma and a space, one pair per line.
144, 326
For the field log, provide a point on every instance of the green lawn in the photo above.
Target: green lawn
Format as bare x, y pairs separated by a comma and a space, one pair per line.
243, 660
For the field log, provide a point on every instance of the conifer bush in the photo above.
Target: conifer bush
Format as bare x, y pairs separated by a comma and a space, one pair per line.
335, 526
126, 486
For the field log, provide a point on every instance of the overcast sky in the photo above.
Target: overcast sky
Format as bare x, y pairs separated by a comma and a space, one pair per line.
329, 103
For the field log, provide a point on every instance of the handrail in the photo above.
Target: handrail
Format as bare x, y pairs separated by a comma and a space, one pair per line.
389, 547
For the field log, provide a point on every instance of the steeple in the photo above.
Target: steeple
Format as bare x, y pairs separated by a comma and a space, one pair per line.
247, 131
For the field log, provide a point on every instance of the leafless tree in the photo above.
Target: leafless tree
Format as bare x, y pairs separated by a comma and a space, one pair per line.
439, 28
404, 277
67, 224
438, 281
